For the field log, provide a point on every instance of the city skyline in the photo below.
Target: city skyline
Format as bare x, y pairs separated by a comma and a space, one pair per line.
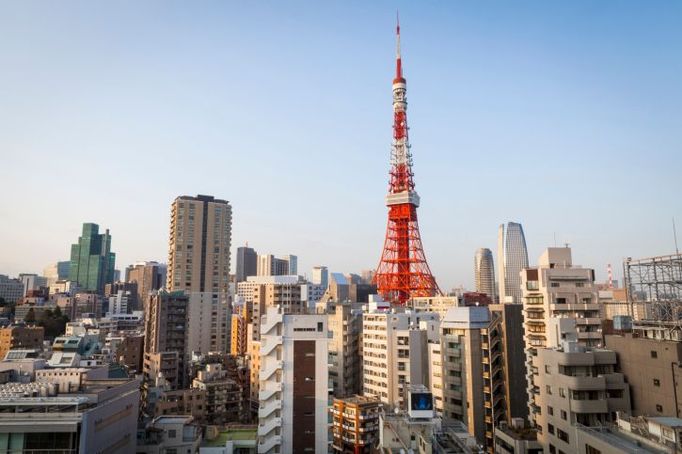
568, 119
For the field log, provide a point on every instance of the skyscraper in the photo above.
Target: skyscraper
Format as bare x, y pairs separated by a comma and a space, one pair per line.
200, 237
247, 263
269, 265
148, 277
92, 262
320, 276
484, 272
512, 257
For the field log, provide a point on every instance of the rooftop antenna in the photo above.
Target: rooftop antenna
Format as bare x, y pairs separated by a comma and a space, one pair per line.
677, 249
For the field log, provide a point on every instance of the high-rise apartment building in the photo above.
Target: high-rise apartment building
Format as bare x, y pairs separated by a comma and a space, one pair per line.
200, 238
207, 323
247, 263
484, 272
470, 371
345, 362
148, 276
165, 344
32, 282
574, 385
557, 290
395, 352
92, 262
512, 257
293, 410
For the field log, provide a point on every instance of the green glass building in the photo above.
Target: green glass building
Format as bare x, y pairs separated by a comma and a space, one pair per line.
92, 262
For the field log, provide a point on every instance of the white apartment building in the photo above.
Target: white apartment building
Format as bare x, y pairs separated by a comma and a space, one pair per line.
395, 352
293, 392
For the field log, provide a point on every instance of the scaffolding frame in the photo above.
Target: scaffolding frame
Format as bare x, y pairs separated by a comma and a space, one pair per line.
656, 284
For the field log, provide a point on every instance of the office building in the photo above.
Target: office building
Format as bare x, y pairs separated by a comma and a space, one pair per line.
573, 385
58, 271
32, 282
395, 352
320, 276
512, 257
92, 262
11, 290
199, 247
355, 424
293, 411
652, 369
147, 277
345, 362
121, 302
98, 415
484, 273
20, 337
269, 265
247, 263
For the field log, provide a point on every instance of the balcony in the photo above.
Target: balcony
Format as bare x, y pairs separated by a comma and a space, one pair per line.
267, 323
584, 383
590, 406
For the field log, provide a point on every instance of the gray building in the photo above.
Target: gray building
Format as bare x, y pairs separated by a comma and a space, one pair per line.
11, 290
247, 263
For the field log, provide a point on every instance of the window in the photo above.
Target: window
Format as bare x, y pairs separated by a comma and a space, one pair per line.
590, 450
659, 408
547, 369
562, 392
550, 428
550, 410
548, 389
320, 326
172, 433
657, 382
654, 354
561, 435
554, 284
563, 415
552, 449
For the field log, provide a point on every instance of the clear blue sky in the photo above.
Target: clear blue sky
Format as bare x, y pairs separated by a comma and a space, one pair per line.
566, 117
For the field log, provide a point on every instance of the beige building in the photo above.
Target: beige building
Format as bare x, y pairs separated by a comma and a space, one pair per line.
148, 276
199, 246
345, 362
574, 385
652, 368
471, 372
437, 304
395, 352
20, 336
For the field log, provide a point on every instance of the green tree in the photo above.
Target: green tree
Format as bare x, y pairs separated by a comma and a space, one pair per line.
30, 316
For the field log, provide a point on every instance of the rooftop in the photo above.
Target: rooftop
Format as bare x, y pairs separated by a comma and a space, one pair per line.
231, 434
620, 440
666, 421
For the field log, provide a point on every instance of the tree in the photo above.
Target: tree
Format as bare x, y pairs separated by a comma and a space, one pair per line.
30, 316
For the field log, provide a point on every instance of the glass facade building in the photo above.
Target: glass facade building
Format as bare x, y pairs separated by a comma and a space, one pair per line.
92, 262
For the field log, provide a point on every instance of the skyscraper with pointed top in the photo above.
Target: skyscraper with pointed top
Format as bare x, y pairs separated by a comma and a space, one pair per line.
512, 258
403, 271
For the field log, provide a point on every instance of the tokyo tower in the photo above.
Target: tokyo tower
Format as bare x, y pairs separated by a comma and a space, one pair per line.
402, 272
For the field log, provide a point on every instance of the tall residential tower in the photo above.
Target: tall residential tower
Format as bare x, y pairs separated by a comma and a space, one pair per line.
199, 252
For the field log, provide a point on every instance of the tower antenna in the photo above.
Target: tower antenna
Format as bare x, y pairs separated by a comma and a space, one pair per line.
403, 272
677, 250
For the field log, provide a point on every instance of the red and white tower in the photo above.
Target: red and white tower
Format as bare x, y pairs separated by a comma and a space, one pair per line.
402, 272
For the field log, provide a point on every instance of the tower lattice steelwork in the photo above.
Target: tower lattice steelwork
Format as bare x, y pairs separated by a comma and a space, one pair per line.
402, 272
